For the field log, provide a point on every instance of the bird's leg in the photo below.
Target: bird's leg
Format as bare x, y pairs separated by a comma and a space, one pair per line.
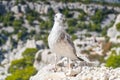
69, 65
55, 68
69, 68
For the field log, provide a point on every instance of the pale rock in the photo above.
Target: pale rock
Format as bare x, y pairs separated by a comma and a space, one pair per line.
47, 75
9, 29
21, 48
37, 63
47, 56
14, 36
30, 44
18, 55
117, 9
79, 71
47, 8
15, 9
31, 5
113, 33
108, 20
24, 8
7, 45
40, 44
43, 57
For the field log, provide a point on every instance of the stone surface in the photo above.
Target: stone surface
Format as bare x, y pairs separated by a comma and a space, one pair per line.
79, 71
113, 33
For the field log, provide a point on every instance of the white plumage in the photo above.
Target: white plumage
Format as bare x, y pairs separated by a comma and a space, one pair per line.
59, 41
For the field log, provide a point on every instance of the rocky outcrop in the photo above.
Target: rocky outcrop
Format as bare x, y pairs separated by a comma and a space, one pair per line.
43, 57
113, 33
79, 71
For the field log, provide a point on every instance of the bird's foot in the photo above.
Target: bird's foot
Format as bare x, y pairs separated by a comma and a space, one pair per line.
71, 72
56, 68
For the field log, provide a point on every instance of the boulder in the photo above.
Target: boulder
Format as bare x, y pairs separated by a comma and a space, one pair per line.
78, 71
113, 33
15, 9
30, 44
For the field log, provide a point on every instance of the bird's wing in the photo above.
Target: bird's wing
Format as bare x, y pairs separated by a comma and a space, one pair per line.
67, 40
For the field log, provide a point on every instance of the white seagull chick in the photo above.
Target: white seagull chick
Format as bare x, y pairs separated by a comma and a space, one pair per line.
59, 41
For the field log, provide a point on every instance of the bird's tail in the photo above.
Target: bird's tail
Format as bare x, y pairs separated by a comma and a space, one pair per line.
83, 58
80, 59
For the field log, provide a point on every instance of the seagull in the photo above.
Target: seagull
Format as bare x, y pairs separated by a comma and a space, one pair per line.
59, 41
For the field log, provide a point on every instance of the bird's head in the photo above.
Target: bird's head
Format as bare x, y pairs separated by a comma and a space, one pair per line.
59, 18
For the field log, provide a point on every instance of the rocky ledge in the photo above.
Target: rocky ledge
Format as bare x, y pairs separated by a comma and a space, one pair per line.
79, 71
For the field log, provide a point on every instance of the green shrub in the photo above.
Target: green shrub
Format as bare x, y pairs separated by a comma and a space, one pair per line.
17, 23
23, 74
74, 37
118, 37
82, 16
8, 19
22, 34
30, 19
22, 69
95, 27
2, 41
99, 16
1, 18
46, 25
29, 54
71, 29
113, 61
17, 64
31, 16
118, 26
81, 25
72, 22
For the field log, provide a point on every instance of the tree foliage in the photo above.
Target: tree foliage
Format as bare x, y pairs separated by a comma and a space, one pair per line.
114, 60
22, 69
29, 54
118, 26
7, 19
23, 74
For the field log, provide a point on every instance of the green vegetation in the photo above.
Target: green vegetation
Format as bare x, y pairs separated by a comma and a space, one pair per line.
84, 21
101, 2
97, 18
114, 60
20, 1
100, 15
118, 26
31, 16
23, 74
17, 24
29, 54
22, 69
118, 37
7, 19
46, 25
1, 18
2, 40
94, 27
82, 15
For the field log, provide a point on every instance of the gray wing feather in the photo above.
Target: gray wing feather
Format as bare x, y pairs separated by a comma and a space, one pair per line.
66, 38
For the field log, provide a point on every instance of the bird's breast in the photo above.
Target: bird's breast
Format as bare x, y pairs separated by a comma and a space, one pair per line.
53, 39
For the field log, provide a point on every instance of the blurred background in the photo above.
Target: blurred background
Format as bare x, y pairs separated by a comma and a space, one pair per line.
94, 26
